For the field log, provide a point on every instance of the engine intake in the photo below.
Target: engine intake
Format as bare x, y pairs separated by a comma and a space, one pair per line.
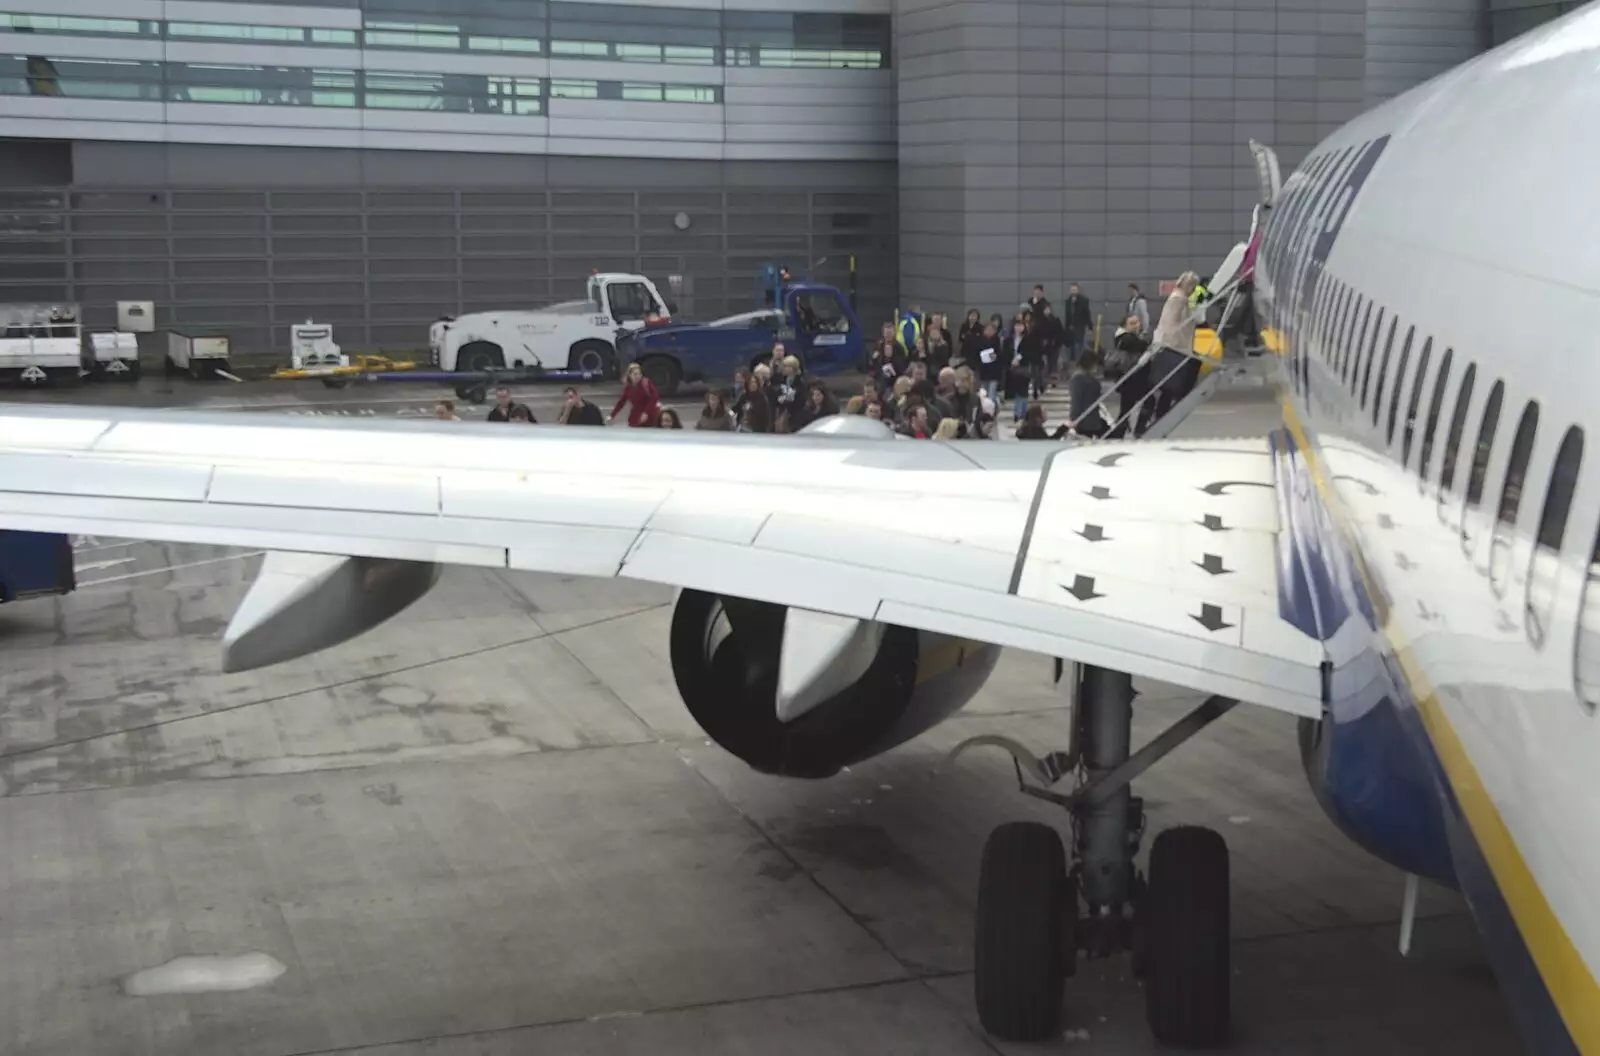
726, 655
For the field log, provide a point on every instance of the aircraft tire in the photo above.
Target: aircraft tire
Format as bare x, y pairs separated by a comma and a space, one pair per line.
1024, 902
1186, 965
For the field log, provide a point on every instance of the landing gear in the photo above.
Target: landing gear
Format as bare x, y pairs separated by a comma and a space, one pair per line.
1039, 910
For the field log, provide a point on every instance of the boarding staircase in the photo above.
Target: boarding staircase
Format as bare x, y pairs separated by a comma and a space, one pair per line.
1241, 367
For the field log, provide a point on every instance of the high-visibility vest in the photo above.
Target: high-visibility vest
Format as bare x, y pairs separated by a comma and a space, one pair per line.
910, 329
1197, 296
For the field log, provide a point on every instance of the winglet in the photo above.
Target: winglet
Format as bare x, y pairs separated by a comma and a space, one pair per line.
303, 603
822, 655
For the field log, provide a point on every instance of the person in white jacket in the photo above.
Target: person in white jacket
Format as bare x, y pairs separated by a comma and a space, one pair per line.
1172, 346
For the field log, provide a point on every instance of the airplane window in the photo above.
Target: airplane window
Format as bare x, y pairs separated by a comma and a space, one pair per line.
1353, 359
1347, 309
1511, 496
1347, 323
1383, 370
1425, 460
1399, 381
1545, 564
1372, 355
1415, 402
1480, 456
1325, 317
1563, 481
1587, 660
1458, 424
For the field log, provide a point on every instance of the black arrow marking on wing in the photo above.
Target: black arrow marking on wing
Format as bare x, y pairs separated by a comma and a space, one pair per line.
1098, 492
1083, 589
1365, 486
1405, 563
1211, 618
1094, 533
1213, 565
1385, 521
1220, 487
1213, 523
1110, 461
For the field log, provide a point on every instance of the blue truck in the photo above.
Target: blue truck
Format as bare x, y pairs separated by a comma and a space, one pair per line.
33, 564
814, 322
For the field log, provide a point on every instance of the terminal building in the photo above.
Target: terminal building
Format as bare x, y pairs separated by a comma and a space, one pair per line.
374, 164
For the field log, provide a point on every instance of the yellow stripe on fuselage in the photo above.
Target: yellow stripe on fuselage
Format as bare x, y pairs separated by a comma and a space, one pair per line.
1571, 985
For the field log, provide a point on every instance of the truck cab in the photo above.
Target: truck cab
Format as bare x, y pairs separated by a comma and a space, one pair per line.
814, 322
574, 335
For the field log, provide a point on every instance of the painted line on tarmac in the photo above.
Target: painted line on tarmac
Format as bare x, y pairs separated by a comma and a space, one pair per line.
169, 568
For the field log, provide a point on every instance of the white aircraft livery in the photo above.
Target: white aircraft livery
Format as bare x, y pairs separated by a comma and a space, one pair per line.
1406, 565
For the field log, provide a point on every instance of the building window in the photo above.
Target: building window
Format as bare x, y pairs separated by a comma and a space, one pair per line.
229, 32
806, 39
1511, 497
260, 85
453, 93
456, 25
63, 25
79, 78
1544, 568
569, 88
673, 35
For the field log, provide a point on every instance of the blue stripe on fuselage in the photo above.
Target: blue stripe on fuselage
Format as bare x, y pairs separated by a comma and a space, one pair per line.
1376, 772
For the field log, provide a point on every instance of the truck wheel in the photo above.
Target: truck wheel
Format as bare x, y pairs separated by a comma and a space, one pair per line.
663, 374
592, 357
476, 356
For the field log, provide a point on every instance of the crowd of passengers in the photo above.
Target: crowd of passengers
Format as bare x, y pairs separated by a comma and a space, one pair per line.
945, 386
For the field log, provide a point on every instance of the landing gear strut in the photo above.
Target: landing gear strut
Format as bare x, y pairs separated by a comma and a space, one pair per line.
1040, 909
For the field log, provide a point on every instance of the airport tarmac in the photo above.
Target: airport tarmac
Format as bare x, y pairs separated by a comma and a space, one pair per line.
490, 828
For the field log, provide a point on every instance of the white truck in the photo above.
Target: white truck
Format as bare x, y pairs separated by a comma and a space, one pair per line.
575, 335
41, 344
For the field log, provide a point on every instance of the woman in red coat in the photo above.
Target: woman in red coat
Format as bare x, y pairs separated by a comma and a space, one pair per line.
640, 395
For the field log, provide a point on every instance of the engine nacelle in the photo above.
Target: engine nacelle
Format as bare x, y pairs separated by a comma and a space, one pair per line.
726, 657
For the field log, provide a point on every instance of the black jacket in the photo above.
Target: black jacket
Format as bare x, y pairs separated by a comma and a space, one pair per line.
1076, 315
995, 368
497, 415
586, 414
1029, 350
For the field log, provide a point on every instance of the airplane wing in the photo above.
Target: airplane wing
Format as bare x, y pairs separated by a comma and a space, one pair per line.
1172, 560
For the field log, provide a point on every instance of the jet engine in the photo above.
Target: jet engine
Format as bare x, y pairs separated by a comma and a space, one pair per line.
802, 693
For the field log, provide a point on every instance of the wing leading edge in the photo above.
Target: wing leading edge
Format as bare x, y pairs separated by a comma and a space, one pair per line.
1161, 559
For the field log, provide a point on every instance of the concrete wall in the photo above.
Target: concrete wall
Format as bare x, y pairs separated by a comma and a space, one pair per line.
1411, 41
246, 240
1105, 141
